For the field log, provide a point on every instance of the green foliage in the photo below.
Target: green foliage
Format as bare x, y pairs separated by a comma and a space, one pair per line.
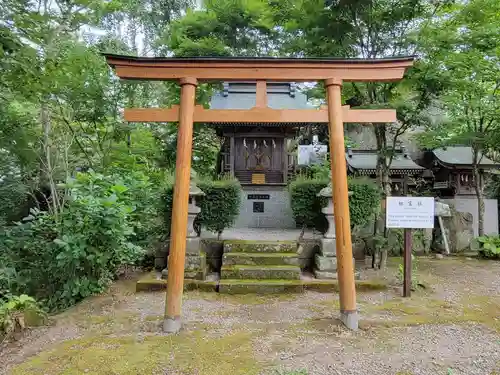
414, 273
61, 261
223, 28
13, 190
167, 202
306, 205
364, 201
220, 205
17, 313
489, 246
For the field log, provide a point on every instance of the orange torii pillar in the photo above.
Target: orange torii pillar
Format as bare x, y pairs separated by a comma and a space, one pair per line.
343, 242
178, 231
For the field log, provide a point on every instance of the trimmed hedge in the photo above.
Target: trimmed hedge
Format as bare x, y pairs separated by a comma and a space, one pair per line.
306, 205
221, 204
219, 207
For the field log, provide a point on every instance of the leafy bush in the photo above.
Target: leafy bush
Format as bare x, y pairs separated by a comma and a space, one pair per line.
489, 246
17, 313
61, 261
13, 191
364, 201
168, 199
306, 205
220, 205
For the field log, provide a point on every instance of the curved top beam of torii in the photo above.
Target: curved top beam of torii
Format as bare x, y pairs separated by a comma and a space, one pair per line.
253, 68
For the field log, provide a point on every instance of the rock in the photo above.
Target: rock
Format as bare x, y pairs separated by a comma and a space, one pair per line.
439, 256
459, 230
326, 263
358, 249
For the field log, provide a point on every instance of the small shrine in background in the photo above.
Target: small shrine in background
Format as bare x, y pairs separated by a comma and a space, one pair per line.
403, 168
454, 182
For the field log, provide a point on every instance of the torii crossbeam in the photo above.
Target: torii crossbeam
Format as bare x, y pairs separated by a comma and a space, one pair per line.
188, 71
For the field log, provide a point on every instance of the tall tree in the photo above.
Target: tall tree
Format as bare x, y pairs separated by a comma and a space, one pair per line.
465, 41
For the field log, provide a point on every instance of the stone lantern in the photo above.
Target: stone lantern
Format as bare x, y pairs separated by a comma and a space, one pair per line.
326, 259
195, 265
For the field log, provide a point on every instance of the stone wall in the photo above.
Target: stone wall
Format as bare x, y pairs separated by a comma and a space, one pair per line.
277, 210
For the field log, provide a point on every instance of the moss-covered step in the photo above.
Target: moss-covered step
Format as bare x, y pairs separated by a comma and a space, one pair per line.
260, 259
260, 286
150, 283
260, 272
230, 286
252, 246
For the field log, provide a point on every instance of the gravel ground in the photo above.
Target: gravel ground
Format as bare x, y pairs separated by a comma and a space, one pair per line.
452, 327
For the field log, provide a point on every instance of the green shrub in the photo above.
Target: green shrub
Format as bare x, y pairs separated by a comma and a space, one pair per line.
306, 205
13, 191
219, 207
167, 199
221, 204
62, 260
17, 313
364, 201
489, 247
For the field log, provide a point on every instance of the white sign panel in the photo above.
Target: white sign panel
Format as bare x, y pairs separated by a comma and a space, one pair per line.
410, 212
311, 154
304, 152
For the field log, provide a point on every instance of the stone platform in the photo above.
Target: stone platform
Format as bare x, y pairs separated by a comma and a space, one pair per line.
150, 283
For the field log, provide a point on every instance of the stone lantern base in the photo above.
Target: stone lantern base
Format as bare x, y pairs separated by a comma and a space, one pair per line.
326, 260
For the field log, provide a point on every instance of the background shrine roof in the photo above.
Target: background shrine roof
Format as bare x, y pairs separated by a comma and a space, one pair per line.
242, 95
366, 160
457, 156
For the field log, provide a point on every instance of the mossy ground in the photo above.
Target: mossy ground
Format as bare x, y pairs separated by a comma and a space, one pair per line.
120, 332
187, 353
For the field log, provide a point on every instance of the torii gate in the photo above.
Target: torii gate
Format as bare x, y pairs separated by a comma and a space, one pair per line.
189, 71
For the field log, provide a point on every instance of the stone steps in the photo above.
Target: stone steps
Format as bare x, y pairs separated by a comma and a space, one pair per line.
260, 259
275, 272
242, 246
233, 286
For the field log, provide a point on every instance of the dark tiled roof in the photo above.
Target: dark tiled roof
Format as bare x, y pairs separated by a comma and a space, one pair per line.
461, 156
362, 160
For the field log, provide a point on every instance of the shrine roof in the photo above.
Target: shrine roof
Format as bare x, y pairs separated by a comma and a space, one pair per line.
461, 156
242, 95
365, 161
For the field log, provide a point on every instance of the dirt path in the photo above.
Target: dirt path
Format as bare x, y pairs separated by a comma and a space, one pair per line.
451, 327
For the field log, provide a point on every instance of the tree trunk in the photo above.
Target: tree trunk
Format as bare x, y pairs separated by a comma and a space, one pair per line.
46, 167
478, 185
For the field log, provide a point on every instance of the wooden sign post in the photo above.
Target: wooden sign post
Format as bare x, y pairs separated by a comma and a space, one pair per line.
409, 213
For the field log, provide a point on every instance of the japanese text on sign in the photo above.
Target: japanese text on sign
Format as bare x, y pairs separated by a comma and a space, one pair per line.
410, 212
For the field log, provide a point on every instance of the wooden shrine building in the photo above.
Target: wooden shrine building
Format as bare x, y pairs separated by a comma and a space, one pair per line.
189, 71
257, 153
403, 168
454, 182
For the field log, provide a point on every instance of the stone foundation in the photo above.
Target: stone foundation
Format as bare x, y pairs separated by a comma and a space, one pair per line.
326, 260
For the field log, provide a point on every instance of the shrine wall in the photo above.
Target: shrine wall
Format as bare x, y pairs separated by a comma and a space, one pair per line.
275, 208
